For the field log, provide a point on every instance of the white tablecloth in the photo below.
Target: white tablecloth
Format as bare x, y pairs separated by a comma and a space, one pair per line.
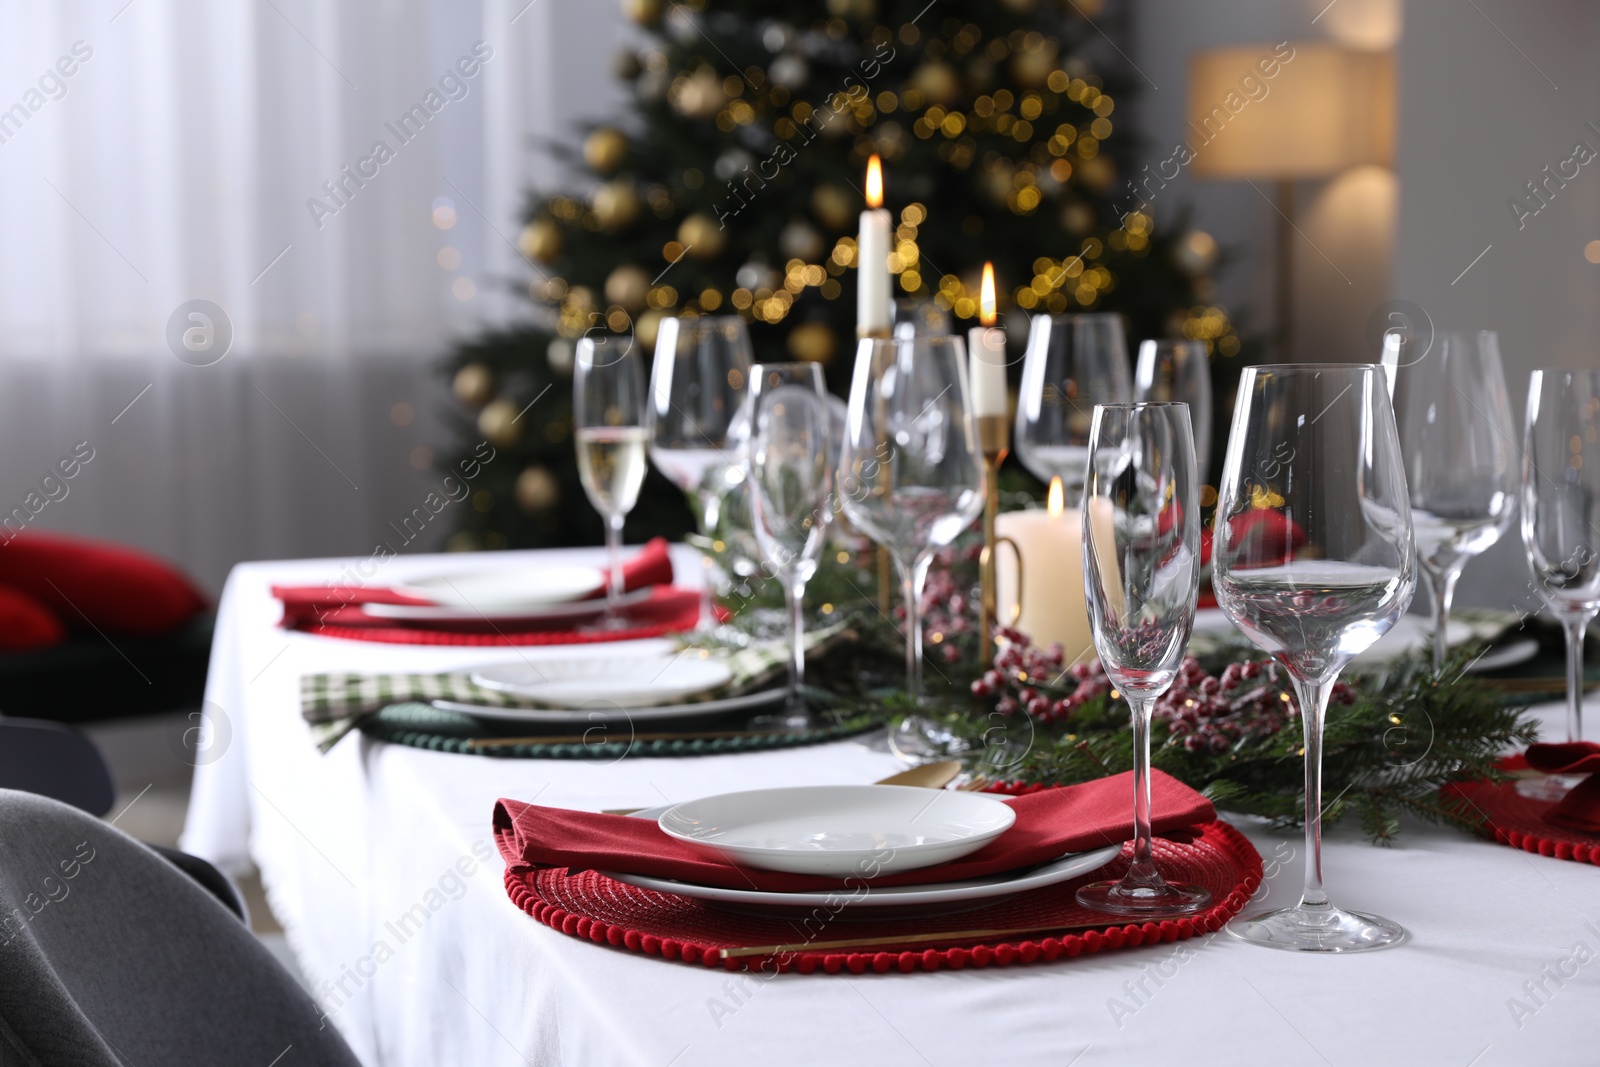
1503, 966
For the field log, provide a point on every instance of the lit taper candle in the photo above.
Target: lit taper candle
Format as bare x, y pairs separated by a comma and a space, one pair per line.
986, 354
872, 260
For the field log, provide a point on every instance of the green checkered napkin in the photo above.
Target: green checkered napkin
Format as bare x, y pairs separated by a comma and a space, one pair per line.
334, 704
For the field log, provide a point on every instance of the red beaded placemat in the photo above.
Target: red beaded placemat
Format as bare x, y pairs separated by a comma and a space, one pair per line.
589, 905
1518, 821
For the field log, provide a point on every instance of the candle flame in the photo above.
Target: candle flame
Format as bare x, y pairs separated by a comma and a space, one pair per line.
986, 296
874, 182
1058, 498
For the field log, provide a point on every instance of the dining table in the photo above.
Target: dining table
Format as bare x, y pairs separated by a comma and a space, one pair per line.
379, 862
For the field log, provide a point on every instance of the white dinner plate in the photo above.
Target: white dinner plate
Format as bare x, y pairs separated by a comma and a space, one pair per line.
566, 611
885, 900
628, 681
839, 830
506, 588
1507, 655
600, 712
1411, 633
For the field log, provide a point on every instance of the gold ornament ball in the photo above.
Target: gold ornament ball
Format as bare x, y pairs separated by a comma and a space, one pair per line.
701, 235
473, 384
1196, 253
698, 95
628, 285
643, 12
541, 240
616, 204
496, 423
812, 342
834, 206
937, 82
604, 150
536, 489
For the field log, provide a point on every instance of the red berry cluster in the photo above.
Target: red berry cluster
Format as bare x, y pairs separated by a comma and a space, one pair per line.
1209, 713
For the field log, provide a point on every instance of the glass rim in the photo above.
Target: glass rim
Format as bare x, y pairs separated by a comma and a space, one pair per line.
1540, 372
1069, 316
1136, 405
943, 340
1279, 368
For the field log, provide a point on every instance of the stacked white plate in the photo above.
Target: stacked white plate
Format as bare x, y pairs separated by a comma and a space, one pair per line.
843, 830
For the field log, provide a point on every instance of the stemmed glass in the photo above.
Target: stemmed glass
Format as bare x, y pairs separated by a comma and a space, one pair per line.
697, 384
1073, 362
1141, 574
790, 484
609, 430
1561, 509
1317, 444
1459, 446
911, 473
1179, 371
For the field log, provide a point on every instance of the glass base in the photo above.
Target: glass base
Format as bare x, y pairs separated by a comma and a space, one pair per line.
1318, 929
1550, 787
1145, 901
918, 739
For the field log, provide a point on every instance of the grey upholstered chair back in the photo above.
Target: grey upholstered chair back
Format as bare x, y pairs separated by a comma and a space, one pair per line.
109, 955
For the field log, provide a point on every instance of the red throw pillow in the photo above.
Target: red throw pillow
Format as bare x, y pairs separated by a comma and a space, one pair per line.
95, 585
26, 624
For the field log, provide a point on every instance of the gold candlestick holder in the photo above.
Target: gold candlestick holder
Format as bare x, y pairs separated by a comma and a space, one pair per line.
994, 438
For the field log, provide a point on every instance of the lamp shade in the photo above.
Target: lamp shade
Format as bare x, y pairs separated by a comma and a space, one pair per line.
1253, 113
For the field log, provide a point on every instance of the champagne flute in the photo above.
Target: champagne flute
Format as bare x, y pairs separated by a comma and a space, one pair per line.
1561, 509
1141, 575
911, 473
1179, 371
1315, 444
697, 384
609, 431
1073, 362
1459, 446
790, 484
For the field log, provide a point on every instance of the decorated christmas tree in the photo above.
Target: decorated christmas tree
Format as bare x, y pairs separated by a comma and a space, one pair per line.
732, 185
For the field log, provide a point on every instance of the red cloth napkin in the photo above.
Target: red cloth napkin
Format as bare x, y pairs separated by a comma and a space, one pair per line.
1580, 809
1050, 824
306, 607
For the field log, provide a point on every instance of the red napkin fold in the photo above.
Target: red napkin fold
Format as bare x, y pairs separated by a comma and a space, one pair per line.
1579, 809
1050, 824
340, 605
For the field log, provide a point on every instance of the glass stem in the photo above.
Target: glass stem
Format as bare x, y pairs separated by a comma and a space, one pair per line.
1575, 630
912, 575
614, 562
1442, 587
1143, 870
794, 593
709, 514
1313, 697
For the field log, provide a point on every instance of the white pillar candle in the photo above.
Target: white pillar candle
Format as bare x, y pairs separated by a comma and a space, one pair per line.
872, 259
1050, 542
986, 355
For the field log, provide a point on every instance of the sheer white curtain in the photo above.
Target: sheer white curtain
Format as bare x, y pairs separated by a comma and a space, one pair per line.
158, 152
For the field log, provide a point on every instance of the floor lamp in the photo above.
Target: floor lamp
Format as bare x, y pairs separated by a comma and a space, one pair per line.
1284, 113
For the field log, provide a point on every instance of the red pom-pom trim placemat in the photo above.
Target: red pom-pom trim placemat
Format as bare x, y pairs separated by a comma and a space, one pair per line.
589, 905
1518, 821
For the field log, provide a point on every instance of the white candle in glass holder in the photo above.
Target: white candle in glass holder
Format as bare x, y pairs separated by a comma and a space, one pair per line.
1050, 543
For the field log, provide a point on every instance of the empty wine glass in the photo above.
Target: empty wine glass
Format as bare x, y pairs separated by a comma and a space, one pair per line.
1141, 575
697, 384
608, 428
911, 474
1073, 362
1179, 371
1459, 447
790, 484
1561, 509
1314, 447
